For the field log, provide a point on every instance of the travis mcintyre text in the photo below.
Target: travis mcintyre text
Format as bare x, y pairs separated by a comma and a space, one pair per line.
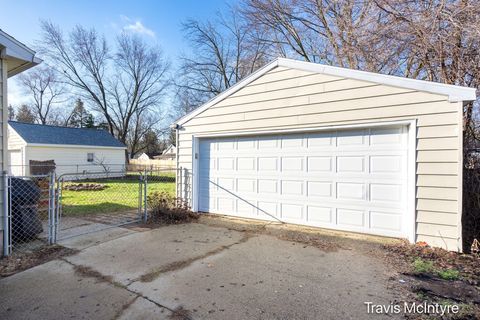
411, 308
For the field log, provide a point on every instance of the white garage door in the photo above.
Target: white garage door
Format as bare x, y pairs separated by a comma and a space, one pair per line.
15, 162
349, 180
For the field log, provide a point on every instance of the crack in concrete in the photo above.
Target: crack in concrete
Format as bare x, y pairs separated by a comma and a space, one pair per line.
177, 265
85, 271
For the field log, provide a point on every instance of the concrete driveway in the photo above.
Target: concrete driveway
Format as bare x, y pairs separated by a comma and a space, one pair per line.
198, 271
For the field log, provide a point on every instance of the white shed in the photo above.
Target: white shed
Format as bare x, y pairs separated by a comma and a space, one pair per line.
74, 150
330, 147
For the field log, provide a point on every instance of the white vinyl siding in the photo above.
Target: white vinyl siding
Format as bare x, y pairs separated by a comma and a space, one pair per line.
74, 159
286, 98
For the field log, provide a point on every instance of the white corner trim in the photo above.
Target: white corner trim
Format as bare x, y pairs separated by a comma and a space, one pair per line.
454, 93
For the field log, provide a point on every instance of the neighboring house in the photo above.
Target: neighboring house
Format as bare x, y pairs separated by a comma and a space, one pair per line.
168, 154
170, 150
74, 150
15, 58
143, 157
330, 147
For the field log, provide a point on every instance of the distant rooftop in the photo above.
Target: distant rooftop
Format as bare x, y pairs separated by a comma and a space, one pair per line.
46, 134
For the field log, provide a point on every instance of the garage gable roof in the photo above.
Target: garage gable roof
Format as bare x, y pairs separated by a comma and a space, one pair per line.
45, 134
454, 93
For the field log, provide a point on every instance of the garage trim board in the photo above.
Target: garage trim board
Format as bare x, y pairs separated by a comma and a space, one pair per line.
352, 185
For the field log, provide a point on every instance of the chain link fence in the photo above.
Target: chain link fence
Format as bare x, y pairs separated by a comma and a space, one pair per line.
49, 208
28, 220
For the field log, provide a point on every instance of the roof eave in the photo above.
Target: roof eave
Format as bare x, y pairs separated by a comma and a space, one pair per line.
454, 93
23, 57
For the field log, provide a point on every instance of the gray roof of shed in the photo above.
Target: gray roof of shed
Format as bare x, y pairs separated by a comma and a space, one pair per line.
46, 134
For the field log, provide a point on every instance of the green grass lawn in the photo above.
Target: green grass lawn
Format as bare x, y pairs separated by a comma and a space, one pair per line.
121, 194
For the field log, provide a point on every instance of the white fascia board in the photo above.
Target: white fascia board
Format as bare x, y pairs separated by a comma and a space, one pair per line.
254, 76
73, 146
454, 93
14, 49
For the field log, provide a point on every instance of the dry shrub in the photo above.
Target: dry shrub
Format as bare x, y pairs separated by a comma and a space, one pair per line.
165, 208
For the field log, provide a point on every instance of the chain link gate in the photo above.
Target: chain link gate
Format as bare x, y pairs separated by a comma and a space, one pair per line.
91, 202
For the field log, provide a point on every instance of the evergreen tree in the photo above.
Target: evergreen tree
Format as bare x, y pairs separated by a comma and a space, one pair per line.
80, 117
25, 114
11, 113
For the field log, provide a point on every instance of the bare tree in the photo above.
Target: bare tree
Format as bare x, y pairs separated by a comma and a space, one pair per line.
343, 33
225, 52
44, 88
122, 86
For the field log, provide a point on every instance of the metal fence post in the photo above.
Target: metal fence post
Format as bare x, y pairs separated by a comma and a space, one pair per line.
6, 215
52, 216
145, 188
185, 185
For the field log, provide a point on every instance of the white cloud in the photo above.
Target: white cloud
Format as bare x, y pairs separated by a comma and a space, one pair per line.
136, 27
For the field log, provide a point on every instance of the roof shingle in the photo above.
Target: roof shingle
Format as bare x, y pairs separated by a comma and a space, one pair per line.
46, 134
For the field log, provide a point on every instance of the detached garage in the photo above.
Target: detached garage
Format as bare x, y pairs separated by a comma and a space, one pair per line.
329, 147
71, 150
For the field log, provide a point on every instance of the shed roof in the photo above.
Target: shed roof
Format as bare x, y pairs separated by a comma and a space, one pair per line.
46, 134
454, 93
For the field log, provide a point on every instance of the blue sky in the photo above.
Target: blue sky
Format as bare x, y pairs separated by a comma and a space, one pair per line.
157, 21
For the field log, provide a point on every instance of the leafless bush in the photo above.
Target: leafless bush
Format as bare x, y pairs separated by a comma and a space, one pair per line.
165, 208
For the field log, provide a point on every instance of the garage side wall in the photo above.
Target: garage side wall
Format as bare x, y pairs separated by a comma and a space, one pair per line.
291, 99
74, 159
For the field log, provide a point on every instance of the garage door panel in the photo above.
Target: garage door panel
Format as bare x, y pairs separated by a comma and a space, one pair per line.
319, 164
317, 214
351, 137
292, 212
351, 180
226, 163
350, 191
322, 140
320, 188
246, 185
267, 164
267, 209
246, 207
350, 218
292, 141
267, 186
385, 221
386, 164
292, 187
386, 192
292, 164
246, 164
350, 164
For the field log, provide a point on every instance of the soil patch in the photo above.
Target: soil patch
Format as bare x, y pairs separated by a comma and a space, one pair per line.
20, 261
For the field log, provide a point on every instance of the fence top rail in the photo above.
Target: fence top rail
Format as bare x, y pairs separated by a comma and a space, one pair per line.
92, 173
